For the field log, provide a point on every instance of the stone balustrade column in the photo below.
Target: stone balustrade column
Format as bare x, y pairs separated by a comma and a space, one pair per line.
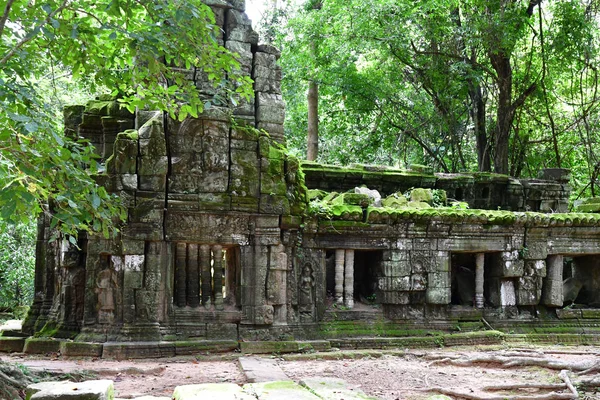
218, 276
206, 276
349, 280
180, 274
339, 276
193, 276
479, 272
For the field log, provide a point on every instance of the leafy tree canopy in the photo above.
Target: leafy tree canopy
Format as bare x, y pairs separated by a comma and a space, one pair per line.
509, 86
128, 47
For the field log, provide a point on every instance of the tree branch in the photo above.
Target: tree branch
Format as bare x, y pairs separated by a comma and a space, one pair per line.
5, 16
531, 6
30, 37
521, 99
457, 57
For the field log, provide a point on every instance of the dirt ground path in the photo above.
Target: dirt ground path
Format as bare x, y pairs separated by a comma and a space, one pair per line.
386, 375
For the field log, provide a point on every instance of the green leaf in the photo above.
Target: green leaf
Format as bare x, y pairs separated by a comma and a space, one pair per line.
95, 201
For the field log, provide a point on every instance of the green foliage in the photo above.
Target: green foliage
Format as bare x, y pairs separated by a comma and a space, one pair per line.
17, 263
142, 51
399, 83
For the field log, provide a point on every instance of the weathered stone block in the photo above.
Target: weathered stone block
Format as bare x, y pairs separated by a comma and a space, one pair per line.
401, 283
41, 346
205, 346
276, 130
438, 295
125, 153
439, 279
567, 313
132, 246
81, 349
393, 297
214, 201
424, 195
244, 203
528, 291
274, 204
152, 183
250, 146
151, 139
12, 344
132, 279
536, 250
243, 33
270, 108
184, 183
590, 313
125, 350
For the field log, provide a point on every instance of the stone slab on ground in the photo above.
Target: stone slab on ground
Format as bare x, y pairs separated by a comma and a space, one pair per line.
88, 390
211, 391
279, 390
11, 325
334, 389
146, 398
261, 370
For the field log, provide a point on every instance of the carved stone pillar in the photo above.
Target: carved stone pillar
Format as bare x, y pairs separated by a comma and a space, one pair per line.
206, 276
349, 280
479, 272
339, 276
218, 276
283, 265
552, 294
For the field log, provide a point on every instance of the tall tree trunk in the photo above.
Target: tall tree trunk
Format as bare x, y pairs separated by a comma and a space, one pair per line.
477, 112
505, 111
313, 121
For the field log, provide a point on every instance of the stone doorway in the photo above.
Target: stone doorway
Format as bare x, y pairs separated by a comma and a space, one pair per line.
463, 279
356, 278
469, 276
581, 281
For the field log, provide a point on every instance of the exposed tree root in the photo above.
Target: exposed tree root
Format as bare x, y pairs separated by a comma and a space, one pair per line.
12, 381
589, 383
472, 396
540, 386
593, 368
518, 358
508, 360
564, 375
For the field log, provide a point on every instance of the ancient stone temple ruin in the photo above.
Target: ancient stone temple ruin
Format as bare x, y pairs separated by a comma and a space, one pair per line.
229, 240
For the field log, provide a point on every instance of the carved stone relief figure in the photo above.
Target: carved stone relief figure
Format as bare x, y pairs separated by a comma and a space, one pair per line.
306, 293
106, 283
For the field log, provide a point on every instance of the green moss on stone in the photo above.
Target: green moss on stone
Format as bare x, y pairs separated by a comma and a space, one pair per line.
316, 194
131, 134
355, 199
396, 200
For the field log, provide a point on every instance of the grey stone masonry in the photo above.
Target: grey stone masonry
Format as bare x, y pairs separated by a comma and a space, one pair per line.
224, 243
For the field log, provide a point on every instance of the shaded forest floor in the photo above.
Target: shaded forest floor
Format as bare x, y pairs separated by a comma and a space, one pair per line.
398, 374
